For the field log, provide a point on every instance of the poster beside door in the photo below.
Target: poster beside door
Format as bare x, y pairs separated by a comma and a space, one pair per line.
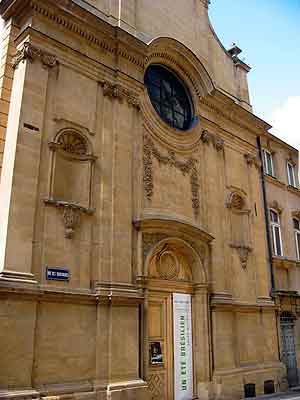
183, 346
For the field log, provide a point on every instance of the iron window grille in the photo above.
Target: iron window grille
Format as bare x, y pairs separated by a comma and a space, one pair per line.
169, 97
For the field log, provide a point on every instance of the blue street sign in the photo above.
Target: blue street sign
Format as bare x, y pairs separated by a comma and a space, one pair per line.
57, 274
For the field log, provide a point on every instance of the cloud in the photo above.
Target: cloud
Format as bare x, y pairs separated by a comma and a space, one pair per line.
286, 121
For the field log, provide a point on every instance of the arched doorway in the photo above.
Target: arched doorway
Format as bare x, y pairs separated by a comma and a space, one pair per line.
288, 351
176, 340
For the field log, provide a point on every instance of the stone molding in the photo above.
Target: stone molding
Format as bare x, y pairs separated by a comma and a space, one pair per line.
32, 53
215, 140
117, 91
187, 167
107, 45
224, 107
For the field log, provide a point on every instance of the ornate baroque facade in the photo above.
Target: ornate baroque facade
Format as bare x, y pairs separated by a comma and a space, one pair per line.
108, 212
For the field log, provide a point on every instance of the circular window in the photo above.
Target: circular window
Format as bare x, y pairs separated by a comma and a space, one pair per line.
169, 97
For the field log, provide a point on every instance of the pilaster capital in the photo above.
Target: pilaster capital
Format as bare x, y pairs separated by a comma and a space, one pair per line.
30, 52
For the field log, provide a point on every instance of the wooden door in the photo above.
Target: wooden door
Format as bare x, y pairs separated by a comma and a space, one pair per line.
160, 378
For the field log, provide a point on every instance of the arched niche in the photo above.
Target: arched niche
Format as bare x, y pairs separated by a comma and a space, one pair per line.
181, 242
71, 168
71, 175
175, 260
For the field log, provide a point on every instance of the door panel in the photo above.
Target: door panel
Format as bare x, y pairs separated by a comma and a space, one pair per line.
160, 377
288, 350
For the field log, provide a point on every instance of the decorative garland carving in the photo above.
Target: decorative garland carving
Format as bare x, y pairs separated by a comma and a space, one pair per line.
187, 167
31, 53
217, 142
119, 92
243, 252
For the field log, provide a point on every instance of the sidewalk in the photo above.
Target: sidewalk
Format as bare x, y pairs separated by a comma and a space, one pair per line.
292, 394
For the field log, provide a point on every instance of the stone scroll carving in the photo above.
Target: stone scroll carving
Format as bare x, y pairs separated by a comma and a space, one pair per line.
243, 252
31, 53
252, 160
187, 167
119, 92
236, 201
170, 264
215, 140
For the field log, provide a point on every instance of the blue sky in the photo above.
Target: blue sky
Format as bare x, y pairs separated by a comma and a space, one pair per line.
268, 32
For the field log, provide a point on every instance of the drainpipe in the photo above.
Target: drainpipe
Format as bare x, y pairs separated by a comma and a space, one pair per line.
267, 221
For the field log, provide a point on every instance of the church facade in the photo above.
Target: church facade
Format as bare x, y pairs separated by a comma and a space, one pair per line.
134, 255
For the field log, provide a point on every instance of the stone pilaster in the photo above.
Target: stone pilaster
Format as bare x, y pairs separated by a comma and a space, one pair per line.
19, 182
7, 50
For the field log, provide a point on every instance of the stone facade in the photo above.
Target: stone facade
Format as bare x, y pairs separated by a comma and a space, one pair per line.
283, 198
93, 181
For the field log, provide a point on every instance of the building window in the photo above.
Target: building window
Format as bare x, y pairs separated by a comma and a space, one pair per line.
169, 97
268, 163
291, 174
276, 233
296, 224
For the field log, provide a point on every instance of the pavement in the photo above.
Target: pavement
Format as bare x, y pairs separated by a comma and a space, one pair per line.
293, 395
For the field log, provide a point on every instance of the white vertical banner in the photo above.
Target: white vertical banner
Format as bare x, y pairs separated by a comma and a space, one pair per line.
183, 346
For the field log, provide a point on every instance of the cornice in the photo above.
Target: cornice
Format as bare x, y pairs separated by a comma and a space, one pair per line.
274, 181
223, 106
98, 33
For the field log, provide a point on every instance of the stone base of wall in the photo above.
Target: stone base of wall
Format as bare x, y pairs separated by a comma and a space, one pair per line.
229, 384
133, 390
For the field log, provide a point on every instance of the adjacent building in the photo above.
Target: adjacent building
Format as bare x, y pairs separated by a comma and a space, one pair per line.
134, 259
282, 205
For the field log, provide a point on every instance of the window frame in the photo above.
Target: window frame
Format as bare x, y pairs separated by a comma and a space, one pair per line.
289, 164
296, 233
274, 226
265, 163
166, 78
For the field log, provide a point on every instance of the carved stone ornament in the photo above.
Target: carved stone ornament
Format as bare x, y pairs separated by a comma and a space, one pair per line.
217, 142
71, 218
72, 142
187, 167
243, 252
276, 206
236, 201
252, 160
296, 214
71, 215
31, 53
119, 92
169, 263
